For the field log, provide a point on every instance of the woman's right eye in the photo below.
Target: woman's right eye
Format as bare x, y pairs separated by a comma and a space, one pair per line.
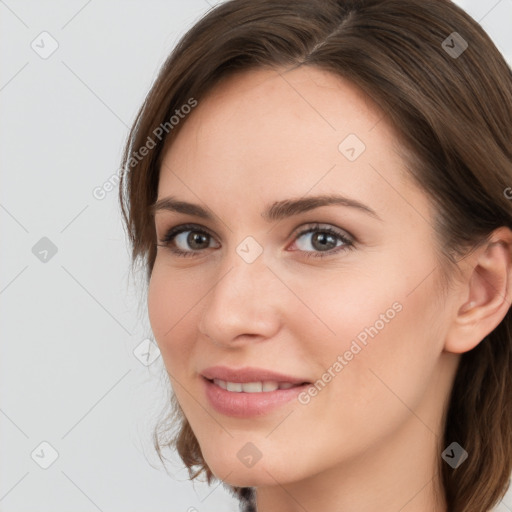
186, 235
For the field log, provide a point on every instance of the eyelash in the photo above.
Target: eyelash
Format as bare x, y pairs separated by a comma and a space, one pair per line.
175, 231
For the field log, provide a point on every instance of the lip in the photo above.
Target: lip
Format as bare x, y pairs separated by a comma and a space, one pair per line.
248, 374
248, 405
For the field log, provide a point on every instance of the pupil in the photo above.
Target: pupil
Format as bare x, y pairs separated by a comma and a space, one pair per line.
196, 238
322, 239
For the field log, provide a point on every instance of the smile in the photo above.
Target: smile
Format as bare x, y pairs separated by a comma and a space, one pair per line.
249, 399
253, 387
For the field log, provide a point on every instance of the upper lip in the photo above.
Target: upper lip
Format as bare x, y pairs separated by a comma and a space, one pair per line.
248, 374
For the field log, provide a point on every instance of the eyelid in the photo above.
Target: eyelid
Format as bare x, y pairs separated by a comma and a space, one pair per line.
320, 226
180, 228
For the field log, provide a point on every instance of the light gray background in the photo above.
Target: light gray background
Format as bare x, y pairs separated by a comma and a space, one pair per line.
70, 325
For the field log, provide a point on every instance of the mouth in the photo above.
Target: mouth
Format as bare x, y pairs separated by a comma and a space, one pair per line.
255, 387
246, 400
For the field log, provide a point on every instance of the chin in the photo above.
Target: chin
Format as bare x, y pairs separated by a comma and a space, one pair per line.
253, 477
265, 472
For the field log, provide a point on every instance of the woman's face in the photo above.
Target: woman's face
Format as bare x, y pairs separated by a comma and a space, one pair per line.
364, 324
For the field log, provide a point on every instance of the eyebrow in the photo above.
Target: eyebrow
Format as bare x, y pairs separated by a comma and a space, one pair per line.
276, 211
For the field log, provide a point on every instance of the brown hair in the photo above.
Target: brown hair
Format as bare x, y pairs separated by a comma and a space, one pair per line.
453, 115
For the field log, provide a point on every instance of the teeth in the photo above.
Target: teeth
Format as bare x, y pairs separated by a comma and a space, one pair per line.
234, 386
252, 387
270, 386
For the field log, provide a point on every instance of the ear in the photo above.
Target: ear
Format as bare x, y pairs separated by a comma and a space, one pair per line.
486, 292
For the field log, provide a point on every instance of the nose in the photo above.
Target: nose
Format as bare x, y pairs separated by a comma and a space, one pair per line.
244, 304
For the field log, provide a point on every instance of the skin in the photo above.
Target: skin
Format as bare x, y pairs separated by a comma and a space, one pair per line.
369, 439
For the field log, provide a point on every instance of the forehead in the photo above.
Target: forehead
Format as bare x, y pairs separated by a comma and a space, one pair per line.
264, 131
268, 99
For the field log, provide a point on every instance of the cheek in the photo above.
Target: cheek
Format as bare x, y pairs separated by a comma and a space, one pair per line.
347, 310
386, 342
169, 303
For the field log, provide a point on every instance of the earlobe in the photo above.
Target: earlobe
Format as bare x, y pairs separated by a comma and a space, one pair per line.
487, 291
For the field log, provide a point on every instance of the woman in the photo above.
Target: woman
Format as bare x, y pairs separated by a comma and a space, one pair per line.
317, 191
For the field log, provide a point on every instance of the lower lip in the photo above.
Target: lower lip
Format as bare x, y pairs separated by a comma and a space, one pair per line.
247, 405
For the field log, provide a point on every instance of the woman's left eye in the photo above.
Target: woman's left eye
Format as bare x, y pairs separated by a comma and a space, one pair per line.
323, 237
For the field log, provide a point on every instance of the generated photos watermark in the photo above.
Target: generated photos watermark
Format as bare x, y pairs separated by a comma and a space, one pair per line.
355, 348
159, 133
